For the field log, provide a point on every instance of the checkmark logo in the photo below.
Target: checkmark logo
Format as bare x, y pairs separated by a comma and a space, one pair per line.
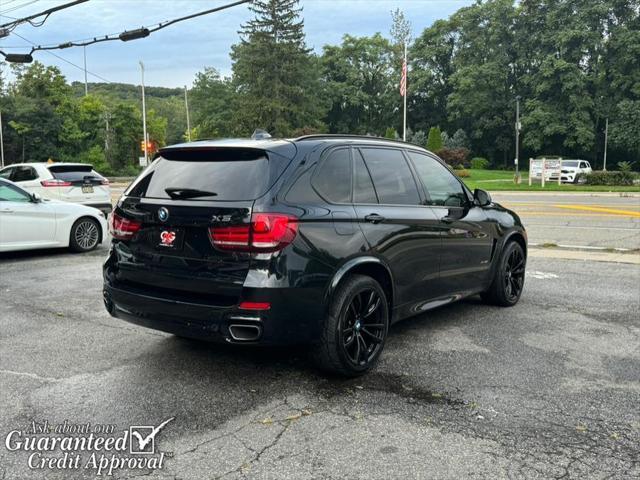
144, 436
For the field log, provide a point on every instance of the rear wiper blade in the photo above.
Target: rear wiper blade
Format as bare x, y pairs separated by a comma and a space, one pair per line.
175, 192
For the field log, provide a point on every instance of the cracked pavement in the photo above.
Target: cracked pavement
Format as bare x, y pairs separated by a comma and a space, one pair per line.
547, 389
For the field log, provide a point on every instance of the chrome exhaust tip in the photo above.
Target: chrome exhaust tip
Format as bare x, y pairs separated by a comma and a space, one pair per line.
245, 333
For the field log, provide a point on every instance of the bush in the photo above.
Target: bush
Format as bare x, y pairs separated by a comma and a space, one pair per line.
479, 163
391, 133
454, 156
462, 173
625, 166
610, 178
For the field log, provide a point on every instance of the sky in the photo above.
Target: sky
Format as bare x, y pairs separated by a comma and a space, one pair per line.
174, 55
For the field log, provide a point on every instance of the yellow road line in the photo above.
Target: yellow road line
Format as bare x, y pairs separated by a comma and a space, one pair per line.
552, 204
524, 213
612, 211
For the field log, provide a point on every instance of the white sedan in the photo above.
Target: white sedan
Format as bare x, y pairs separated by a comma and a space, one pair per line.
28, 222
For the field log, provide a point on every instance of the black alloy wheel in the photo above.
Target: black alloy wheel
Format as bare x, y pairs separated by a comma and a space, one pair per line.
363, 327
355, 329
514, 275
508, 281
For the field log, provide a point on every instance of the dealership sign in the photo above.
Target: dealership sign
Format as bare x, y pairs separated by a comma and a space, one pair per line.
545, 169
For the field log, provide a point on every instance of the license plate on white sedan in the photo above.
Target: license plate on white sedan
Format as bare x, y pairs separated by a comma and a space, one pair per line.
87, 189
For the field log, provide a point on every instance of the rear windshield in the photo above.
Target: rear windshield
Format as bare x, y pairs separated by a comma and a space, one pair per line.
73, 173
228, 175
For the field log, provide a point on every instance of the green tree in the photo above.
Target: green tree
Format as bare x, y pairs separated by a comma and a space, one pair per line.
274, 74
361, 85
434, 140
211, 99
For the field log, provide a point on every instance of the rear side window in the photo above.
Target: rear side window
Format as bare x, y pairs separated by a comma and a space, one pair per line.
333, 178
225, 174
24, 174
392, 177
363, 191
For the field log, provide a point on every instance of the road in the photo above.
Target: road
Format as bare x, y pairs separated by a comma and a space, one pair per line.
547, 389
591, 220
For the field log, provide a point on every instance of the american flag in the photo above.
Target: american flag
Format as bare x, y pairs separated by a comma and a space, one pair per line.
403, 80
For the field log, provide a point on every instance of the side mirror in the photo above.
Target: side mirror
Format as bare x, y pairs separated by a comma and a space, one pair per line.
481, 197
36, 198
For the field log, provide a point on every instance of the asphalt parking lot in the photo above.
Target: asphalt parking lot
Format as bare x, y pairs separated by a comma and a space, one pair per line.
547, 389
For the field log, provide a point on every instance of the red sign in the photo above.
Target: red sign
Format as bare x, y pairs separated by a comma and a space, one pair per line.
167, 238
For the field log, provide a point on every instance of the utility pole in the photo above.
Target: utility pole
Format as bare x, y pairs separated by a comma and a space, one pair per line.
186, 106
517, 178
1, 143
404, 74
107, 117
144, 118
606, 140
86, 87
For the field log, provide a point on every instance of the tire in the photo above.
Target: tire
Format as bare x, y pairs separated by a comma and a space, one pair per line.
84, 235
508, 281
350, 332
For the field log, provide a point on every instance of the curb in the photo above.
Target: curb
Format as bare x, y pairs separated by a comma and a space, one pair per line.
497, 193
627, 256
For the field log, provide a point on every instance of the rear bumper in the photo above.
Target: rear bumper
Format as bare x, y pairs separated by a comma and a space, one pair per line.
288, 321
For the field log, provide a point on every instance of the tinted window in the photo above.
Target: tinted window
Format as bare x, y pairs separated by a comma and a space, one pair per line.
24, 174
231, 175
392, 177
333, 179
441, 185
583, 164
300, 191
6, 173
363, 191
9, 193
74, 173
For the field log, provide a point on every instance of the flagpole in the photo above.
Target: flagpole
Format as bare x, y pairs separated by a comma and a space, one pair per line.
404, 116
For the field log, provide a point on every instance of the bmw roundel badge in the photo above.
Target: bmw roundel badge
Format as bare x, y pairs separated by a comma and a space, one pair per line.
163, 214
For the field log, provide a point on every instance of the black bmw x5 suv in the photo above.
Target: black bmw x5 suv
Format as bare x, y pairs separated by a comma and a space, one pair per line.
323, 240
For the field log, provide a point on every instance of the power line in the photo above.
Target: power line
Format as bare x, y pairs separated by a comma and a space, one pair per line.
8, 27
18, 6
65, 60
134, 34
125, 36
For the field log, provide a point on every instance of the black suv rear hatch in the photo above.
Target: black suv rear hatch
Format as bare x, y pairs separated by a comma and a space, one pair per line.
179, 201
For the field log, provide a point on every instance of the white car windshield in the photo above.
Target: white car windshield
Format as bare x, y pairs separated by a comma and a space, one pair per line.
570, 164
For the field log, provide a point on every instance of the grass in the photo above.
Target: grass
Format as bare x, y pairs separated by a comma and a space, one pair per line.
494, 180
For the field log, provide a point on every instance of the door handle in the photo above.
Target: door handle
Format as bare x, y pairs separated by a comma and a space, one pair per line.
374, 218
6, 210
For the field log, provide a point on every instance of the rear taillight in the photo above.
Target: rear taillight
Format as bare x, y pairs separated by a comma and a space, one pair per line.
55, 183
123, 228
267, 232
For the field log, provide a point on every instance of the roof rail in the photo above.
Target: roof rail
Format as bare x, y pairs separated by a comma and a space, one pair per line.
340, 135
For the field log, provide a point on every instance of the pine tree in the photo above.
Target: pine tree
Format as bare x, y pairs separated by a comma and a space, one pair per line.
274, 74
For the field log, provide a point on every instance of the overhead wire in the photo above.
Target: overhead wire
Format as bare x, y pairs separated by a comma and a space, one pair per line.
135, 33
65, 60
